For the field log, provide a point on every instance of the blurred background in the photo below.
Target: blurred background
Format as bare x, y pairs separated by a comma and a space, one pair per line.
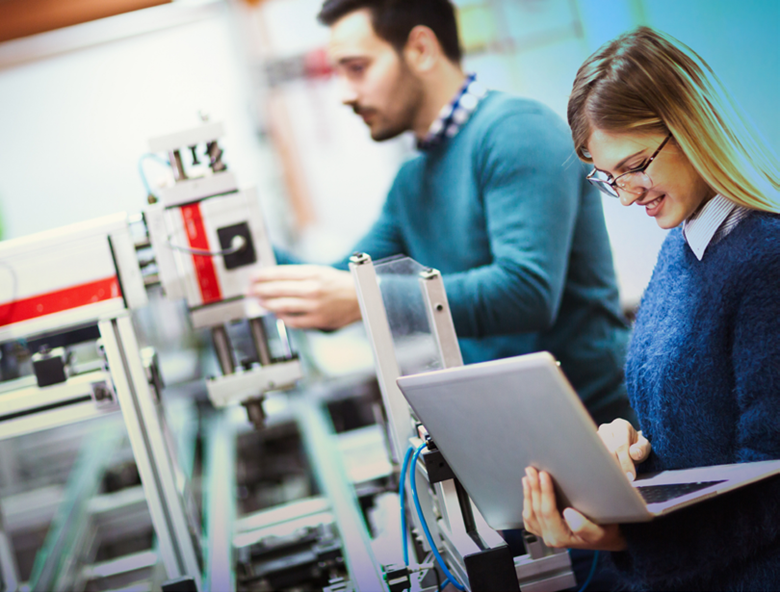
83, 88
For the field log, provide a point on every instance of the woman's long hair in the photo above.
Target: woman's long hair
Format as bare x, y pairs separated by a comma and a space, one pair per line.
646, 81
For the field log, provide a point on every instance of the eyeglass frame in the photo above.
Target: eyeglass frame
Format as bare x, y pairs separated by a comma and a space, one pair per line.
601, 183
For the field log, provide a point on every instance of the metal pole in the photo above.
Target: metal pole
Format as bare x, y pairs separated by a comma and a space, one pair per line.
219, 336
9, 574
260, 340
220, 502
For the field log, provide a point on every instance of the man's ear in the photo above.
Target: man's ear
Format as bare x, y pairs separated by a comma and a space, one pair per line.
422, 50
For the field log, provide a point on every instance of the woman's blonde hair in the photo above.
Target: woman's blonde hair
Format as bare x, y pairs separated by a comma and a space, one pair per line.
646, 81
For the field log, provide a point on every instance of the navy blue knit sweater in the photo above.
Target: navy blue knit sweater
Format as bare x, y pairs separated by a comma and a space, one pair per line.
703, 374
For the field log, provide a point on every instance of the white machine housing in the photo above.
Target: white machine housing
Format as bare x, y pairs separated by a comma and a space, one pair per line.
190, 227
42, 289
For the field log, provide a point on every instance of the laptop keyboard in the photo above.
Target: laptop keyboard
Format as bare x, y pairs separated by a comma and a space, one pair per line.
655, 494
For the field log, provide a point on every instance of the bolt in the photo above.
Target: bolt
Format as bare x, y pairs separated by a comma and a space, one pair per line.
101, 392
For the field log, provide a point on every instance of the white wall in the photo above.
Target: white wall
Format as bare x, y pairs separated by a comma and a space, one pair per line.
73, 125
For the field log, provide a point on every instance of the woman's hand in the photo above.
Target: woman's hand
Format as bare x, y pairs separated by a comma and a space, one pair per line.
570, 529
626, 444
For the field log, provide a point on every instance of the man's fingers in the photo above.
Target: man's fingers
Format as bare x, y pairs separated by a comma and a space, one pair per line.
299, 321
276, 273
289, 306
284, 288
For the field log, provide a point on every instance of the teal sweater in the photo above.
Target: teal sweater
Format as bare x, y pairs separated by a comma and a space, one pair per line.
503, 210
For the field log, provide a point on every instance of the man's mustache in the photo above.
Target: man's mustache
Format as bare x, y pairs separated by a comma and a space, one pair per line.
359, 110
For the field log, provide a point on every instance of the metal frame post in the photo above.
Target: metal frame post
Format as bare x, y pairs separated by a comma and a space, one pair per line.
372, 309
437, 308
152, 457
9, 573
220, 503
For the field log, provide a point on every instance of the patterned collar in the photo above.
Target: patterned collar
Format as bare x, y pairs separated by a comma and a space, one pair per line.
718, 217
455, 114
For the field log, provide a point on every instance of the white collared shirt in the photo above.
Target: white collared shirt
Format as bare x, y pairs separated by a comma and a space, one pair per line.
711, 223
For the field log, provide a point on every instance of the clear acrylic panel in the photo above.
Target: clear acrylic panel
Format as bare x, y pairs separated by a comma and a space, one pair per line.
415, 346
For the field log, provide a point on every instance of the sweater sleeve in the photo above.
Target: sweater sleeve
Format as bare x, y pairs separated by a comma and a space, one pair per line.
384, 238
529, 181
714, 537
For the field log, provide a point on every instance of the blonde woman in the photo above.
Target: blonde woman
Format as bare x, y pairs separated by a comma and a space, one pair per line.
703, 368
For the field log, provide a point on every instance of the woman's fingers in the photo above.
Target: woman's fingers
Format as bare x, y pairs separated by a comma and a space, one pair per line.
542, 518
529, 518
626, 444
640, 450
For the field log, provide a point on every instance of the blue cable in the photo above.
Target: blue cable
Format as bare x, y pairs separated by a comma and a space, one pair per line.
402, 495
416, 500
444, 585
592, 571
141, 169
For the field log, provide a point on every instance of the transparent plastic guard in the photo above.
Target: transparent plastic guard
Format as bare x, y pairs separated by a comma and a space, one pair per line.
415, 346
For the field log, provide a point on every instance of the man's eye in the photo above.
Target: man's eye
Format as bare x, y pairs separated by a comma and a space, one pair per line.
356, 68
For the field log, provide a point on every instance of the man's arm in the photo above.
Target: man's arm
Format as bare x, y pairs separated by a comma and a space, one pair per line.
321, 296
530, 182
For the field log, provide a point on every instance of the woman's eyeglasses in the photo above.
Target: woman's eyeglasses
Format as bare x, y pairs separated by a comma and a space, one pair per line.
636, 181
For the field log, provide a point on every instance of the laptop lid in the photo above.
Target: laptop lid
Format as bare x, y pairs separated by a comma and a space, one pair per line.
493, 419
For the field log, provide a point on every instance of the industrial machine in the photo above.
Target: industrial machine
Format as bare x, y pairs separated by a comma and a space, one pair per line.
208, 236
153, 486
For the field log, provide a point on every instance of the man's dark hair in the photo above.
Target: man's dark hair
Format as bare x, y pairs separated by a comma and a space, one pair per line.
393, 20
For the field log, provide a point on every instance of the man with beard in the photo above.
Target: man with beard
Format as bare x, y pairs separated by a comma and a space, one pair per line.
496, 200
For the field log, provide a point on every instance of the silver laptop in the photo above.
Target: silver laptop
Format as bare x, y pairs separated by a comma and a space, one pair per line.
491, 420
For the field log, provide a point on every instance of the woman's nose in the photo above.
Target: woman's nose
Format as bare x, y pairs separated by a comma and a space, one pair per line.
627, 198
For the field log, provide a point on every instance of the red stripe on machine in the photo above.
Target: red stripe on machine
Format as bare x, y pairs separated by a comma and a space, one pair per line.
205, 272
60, 300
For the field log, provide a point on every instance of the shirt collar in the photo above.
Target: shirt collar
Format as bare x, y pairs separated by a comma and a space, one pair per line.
700, 229
455, 114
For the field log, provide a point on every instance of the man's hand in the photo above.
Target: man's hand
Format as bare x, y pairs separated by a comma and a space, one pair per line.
628, 445
570, 529
307, 296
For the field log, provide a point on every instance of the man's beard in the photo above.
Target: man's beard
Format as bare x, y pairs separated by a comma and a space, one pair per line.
409, 95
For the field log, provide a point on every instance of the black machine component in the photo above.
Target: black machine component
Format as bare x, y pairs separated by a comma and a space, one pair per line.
214, 152
397, 578
255, 412
194, 149
65, 338
50, 366
308, 559
183, 584
437, 467
246, 255
492, 569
